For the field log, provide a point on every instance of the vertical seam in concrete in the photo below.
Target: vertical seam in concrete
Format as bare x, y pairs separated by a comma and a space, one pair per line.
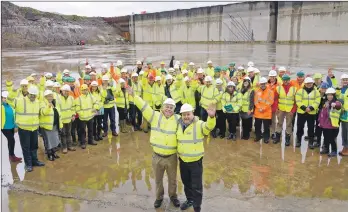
208, 23
299, 22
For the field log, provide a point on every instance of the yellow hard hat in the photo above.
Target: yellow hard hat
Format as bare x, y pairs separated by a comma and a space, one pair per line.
84, 87
30, 78
163, 63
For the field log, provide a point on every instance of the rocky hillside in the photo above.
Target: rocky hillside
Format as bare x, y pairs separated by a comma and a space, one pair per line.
27, 27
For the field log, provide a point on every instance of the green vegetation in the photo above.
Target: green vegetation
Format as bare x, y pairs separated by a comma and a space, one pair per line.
74, 17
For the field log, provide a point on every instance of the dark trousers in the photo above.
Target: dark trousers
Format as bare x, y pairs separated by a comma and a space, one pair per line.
266, 128
191, 176
177, 107
330, 136
109, 113
204, 114
66, 135
9, 134
247, 124
97, 124
83, 125
136, 115
301, 120
220, 122
232, 119
75, 130
197, 110
318, 130
29, 143
122, 113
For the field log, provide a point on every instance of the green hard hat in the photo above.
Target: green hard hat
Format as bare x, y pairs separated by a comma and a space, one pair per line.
232, 64
224, 68
285, 77
87, 77
149, 62
65, 79
300, 74
71, 79
217, 69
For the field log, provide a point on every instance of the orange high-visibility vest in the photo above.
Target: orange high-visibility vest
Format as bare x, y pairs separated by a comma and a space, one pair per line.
263, 99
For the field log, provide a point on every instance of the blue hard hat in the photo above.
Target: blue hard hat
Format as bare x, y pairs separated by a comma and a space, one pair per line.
324, 85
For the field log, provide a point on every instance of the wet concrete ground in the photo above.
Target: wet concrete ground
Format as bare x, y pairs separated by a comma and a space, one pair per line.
116, 175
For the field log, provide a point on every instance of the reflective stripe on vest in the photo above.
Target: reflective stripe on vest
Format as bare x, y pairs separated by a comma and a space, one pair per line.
335, 117
286, 101
158, 128
194, 140
246, 101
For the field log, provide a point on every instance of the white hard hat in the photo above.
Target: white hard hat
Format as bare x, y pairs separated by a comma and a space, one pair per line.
141, 72
176, 66
33, 74
169, 77
240, 68
308, 80
208, 79
186, 79
158, 78
94, 83
191, 64
171, 70
247, 78
119, 63
56, 85
209, 62
66, 71
24, 82
184, 71
186, 108
250, 63
200, 71
134, 74
330, 91
272, 73
88, 67
177, 62
33, 90
65, 88
256, 70
230, 83
219, 82
48, 74
281, 68
263, 80
92, 66
4, 94
49, 83
93, 73
250, 69
169, 101
121, 81
139, 63
105, 77
47, 92
124, 70
104, 66
344, 76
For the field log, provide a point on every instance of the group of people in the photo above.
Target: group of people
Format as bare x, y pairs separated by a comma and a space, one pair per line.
58, 107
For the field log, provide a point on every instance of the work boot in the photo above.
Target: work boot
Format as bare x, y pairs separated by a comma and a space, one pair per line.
123, 126
65, 150
213, 134
306, 137
13, 158
197, 209
234, 137
277, 138
324, 151
35, 160
310, 143
273, 136
55, 155
287, 139
332, 154
257, 139
114, 133
175, 202
158, 203
230, 136
95, 138
71, 148
266, 141
298, 142
38, 163
99, 137
83, 146
316, 144
74, 143
28, 168
92, 143
344, 152
187, 204
50, 156
105, 134
222, 135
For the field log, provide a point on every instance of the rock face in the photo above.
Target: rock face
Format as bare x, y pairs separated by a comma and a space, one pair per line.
27, 27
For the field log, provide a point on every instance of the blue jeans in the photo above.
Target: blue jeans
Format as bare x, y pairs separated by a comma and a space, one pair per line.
29, 143
135, 115
109, 113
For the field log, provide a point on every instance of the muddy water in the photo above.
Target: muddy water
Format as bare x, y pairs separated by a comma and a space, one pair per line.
116, 174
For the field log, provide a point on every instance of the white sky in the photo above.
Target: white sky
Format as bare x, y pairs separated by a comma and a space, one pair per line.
110, 9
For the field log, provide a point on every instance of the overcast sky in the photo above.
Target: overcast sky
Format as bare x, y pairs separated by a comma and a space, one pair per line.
109, 9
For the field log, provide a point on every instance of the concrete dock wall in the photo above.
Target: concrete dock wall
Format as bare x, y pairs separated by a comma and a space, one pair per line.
246, 22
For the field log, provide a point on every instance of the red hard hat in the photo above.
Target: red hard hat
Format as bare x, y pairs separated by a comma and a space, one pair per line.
151, 77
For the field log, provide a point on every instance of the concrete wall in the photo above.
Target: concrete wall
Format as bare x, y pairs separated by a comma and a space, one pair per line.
312, 21
245, 22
